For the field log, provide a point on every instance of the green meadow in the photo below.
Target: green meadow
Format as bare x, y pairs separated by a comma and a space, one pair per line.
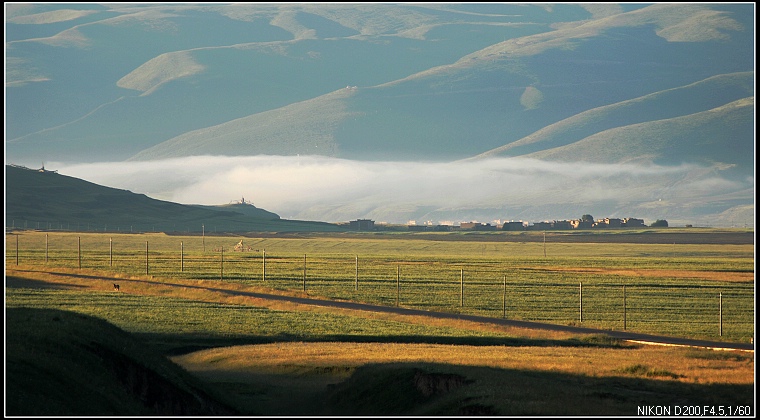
177, 339
683, 290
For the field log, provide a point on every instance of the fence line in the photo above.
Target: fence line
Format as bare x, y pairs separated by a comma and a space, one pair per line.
427, 285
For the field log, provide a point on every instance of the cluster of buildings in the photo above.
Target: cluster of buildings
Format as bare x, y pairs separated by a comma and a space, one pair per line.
609, 222
575, 224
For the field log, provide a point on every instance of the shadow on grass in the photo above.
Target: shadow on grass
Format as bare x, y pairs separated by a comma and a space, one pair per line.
428, 389
120, 373
19, 282
458, 390
63, 363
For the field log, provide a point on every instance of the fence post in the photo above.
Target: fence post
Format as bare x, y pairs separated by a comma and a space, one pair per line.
263, 265
17, 249
79, 250
356, 276
146, 257
398, 282
504, 299
46, 248
580, 302
720, 311
221, 267
181, 256
110, 252
625, 307
461, 287
304, 272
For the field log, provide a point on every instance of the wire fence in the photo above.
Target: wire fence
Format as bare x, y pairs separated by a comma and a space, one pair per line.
487, 288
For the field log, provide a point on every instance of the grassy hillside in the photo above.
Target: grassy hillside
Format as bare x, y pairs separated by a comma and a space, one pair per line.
61, 363
47, 200
717, 136
681, 101
302, 128
434, 81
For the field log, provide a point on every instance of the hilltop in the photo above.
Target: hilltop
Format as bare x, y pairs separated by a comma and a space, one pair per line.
44, 199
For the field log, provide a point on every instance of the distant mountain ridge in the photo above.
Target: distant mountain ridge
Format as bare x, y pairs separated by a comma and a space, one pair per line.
665, 89
276, 78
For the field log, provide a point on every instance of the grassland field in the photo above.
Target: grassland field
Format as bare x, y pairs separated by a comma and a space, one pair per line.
683, 290
172, 297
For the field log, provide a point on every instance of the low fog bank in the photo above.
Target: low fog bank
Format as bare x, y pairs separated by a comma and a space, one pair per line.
337, 190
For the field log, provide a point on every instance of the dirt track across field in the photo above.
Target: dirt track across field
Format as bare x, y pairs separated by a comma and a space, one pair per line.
14, 281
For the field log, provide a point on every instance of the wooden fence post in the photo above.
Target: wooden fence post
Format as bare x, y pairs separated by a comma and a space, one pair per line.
46, 248
398, 282
461, 287
79, 250
181, 256
356, 275
304, 272
504, 299
580, 302
110, 252
146, 257
720, 311
263, 265
625, 308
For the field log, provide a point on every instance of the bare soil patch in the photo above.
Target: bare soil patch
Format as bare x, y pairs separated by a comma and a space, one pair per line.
730, 276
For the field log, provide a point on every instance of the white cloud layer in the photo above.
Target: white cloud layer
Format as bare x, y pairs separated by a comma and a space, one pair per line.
336, 190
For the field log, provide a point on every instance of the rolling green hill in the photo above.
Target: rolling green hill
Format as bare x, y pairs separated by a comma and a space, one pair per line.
684, 101
662, 88
433, 81
717, 136
48, 200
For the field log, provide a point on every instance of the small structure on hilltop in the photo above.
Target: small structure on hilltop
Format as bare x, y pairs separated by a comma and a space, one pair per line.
240, 247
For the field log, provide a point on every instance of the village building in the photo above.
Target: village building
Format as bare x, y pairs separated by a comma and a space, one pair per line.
513, 226
541, 226
476, 226
562, 225
581, 224
609, 223
362, 224
631, 222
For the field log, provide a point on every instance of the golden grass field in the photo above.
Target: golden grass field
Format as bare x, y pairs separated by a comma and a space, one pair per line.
615, 377
673, 362
661, 362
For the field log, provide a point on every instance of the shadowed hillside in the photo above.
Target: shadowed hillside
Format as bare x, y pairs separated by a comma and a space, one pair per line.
61, 363
47, 200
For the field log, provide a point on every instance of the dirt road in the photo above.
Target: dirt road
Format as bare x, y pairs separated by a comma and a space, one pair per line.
623, 335
18, 281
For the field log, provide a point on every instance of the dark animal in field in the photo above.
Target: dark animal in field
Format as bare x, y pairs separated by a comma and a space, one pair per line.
116, 287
